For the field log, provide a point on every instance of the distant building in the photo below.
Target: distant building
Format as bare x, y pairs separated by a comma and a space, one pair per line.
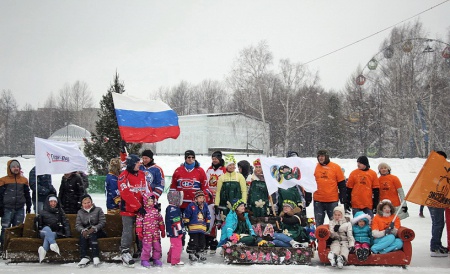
71, 133
229, 132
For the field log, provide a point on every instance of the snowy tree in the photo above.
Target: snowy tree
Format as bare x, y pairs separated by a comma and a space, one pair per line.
106, 142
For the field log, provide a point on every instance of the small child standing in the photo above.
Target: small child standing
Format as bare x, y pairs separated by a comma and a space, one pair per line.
174, 227
150, 228
342, 236
197, 219
362, 234
384, 229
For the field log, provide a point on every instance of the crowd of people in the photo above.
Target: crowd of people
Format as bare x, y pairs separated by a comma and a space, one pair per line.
364, 211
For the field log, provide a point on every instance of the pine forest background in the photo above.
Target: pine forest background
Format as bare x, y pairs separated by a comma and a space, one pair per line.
401, 110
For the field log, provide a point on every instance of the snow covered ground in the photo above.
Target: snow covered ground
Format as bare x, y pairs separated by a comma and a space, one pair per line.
405, 169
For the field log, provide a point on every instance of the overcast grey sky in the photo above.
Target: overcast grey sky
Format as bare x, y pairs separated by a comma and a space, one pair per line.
45, 44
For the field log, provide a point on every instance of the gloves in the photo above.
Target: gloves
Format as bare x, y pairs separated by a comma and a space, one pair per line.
336, 228
216, 210
163, 233
405, 209
28, 210
351, 249
140, 236
158, 206
387, 231
142, 211
122, 146
374, 210
87, 231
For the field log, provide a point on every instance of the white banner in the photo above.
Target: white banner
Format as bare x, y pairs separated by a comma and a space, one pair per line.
288, 172
54, 157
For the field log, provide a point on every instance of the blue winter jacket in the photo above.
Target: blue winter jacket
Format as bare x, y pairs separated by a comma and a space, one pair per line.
362, 234
231, 225
195, 219
112, 192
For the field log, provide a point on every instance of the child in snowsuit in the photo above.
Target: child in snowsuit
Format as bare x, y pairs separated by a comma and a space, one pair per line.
150, 228
174, 227
90, 223
342, 236
197, 219
362, 234
384, 229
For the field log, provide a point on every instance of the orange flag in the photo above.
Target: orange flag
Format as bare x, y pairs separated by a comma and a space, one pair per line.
432, 184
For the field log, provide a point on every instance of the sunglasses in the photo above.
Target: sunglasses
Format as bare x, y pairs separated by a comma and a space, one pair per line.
190, 157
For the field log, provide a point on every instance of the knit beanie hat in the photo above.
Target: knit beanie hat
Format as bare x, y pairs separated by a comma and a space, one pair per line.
384, 165
175, 198
363, 160
217, 154
229, 159
189, 153
341, 209
53, 198
291, 153
199, 193
257, 162
289, 203
147, 153
236, 203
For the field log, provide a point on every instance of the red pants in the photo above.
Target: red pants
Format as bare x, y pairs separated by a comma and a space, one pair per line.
174, 254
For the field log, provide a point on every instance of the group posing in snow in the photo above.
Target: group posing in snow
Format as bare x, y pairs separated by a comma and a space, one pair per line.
201, 204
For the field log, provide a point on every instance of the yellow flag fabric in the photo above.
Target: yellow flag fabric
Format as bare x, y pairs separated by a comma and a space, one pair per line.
432, 184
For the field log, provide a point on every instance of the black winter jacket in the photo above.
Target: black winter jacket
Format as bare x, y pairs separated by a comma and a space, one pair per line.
55, 218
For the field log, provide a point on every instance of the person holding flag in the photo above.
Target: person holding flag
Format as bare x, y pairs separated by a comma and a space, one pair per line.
132, 185
384, 229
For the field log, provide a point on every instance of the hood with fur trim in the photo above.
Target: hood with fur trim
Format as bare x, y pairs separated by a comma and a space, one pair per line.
360, 215
382, 204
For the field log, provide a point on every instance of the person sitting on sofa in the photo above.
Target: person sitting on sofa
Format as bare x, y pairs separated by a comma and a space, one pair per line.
362, 234
237, 227
384, 229
342, 236
52, 224
292, 231
90, 223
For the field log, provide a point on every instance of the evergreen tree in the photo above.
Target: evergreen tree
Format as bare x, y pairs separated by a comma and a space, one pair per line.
106, 143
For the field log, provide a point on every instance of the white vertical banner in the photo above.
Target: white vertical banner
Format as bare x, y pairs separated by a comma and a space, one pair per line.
288, 172
54, 157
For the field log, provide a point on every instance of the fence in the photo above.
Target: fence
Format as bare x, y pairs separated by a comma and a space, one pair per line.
97, 184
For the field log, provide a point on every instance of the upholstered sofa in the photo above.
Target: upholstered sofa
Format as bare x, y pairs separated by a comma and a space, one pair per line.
396, 258
22, 242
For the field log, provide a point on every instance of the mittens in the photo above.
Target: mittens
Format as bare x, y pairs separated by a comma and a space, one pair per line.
336, 228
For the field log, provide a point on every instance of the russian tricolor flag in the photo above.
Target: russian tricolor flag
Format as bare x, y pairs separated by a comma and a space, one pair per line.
144, 121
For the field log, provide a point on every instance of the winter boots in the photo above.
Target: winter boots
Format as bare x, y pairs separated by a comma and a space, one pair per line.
145, 264
157, 263
84, 262
127, 259
362, 253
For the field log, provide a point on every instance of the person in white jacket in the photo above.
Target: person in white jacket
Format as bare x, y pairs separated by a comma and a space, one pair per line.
342, 236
